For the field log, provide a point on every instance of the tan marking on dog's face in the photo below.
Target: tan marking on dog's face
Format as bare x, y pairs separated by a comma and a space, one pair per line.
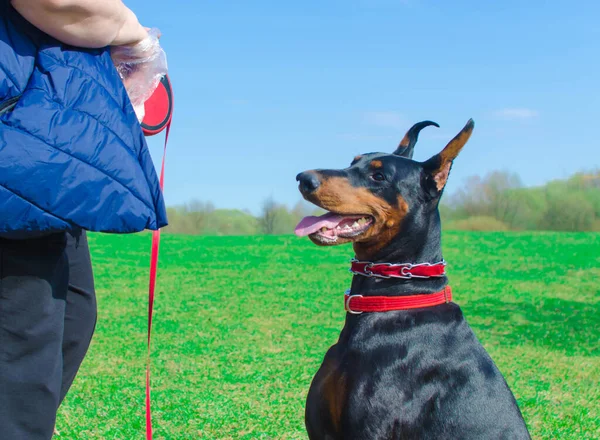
335, 194
357, 158
376, 164
365, 249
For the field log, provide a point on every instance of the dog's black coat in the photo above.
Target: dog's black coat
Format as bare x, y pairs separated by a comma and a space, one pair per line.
416, 374
411, 375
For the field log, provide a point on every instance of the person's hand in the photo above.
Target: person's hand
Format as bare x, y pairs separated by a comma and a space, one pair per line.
141, 66
131, 32
84, 23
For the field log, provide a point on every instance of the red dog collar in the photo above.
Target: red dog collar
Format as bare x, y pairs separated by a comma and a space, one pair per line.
357, 304
404, 270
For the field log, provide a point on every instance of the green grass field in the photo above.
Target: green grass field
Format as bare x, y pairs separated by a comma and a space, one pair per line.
242, 324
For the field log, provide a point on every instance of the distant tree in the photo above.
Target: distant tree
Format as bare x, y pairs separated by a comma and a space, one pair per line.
589, 184
527, 208
566, 210
231, 222
198, 213
487, 196
268, 216
285, 220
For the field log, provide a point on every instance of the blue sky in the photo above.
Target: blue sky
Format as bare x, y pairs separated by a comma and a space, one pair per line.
266, 89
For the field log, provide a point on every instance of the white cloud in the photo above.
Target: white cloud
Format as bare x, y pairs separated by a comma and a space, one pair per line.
516, 113
394, 120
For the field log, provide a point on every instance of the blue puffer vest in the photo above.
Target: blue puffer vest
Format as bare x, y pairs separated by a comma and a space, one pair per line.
72, 153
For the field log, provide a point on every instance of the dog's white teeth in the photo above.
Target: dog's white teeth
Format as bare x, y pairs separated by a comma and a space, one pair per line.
323, 229
338, 228
347, 228
355, 225
362, 221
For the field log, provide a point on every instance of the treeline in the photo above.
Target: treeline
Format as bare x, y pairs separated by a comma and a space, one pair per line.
496, 202
202, 218
499, 201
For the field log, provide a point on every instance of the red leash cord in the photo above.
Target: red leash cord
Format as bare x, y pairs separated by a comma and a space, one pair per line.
151, 287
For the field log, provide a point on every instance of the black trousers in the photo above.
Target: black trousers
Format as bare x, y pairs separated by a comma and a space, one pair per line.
47, 318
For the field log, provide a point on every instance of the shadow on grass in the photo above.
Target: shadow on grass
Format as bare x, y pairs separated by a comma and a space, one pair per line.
567, 326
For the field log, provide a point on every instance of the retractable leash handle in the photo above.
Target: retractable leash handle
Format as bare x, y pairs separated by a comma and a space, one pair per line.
158, 114
158, 108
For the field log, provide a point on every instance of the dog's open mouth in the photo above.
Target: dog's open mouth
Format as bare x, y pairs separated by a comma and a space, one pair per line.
331, 227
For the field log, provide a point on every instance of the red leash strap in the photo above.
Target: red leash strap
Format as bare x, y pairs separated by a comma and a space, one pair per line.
151, 287
357, 304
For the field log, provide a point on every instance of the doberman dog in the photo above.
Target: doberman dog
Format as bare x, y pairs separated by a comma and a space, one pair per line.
409, 367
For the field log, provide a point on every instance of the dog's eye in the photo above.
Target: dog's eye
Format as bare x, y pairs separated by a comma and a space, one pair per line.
378, 177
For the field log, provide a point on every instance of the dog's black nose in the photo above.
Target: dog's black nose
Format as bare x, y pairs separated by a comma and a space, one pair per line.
309, 182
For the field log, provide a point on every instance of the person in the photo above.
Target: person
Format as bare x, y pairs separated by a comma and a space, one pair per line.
73, 159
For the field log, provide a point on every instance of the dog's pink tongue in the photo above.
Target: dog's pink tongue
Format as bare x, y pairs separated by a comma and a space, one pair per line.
311, 224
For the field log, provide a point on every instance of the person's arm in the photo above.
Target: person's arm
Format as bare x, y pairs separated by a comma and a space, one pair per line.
84, 23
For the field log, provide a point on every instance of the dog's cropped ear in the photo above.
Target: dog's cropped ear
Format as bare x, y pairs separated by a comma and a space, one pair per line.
437, 169
407, 144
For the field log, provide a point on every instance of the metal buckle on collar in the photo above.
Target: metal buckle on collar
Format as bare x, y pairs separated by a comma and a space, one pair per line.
347, 303
405, 274
366, 272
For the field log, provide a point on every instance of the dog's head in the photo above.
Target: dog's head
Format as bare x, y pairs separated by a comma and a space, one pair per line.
370, 202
